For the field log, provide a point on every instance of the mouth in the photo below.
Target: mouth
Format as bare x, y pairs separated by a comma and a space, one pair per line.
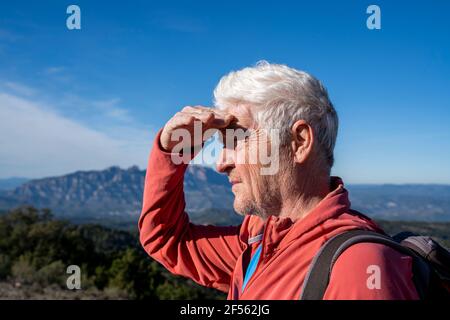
233, 182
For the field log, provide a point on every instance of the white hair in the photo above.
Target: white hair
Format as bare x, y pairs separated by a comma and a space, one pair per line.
282, 95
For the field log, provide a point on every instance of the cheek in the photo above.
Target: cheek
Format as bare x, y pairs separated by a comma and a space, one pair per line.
249, 169
252, 180
253, 152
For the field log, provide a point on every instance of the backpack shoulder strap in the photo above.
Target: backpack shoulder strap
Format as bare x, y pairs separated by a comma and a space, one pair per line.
318, 276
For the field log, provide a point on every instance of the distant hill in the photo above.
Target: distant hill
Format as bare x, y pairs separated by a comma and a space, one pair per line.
12, 183
116, 194
421, 202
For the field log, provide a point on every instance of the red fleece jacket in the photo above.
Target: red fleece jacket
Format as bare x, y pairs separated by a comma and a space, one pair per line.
218, 256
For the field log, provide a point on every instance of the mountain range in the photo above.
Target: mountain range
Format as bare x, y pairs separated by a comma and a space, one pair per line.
116, 193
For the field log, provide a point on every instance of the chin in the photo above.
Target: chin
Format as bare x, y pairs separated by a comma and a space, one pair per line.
238, 209
243, 208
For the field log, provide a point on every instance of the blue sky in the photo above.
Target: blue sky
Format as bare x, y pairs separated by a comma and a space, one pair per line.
91, 98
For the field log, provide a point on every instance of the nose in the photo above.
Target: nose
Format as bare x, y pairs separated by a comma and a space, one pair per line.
225, 161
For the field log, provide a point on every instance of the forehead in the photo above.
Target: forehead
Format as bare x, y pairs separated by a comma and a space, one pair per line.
244, 116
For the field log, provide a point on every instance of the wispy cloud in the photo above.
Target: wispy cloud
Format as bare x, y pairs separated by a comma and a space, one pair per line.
54, 74
180, 23
111, 108
19, 88
54, 70
37, 141
7, 35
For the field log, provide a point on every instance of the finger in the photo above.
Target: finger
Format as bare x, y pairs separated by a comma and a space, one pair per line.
195, 112
205, 117
200, 107
183, 120
223, 121
214, 117
196, 108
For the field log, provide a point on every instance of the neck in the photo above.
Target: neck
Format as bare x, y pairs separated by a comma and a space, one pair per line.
303, 195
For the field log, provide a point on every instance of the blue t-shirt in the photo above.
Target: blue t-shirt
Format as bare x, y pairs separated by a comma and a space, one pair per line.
252, 266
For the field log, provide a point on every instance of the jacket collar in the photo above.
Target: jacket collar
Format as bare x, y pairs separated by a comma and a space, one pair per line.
279, 229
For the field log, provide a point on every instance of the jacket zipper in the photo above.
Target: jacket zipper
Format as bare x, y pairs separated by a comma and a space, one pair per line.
261, 257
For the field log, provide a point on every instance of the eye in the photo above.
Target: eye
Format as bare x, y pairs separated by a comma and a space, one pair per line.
235, 136
242, 138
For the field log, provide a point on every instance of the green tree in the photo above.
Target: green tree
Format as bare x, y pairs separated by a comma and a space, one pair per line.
138, 276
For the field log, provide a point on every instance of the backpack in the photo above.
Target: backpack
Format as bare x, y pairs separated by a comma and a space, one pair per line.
431, 262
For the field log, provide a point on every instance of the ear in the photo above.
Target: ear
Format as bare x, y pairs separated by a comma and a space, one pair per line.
302, 141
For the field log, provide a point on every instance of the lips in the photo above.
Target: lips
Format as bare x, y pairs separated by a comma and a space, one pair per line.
233, 178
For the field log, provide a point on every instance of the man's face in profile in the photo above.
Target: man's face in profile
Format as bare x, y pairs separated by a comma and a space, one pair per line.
240, 159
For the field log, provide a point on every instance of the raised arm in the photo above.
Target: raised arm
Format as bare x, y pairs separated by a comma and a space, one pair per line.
206, 254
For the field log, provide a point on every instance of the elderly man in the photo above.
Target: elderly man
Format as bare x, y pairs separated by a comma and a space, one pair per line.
289, 213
